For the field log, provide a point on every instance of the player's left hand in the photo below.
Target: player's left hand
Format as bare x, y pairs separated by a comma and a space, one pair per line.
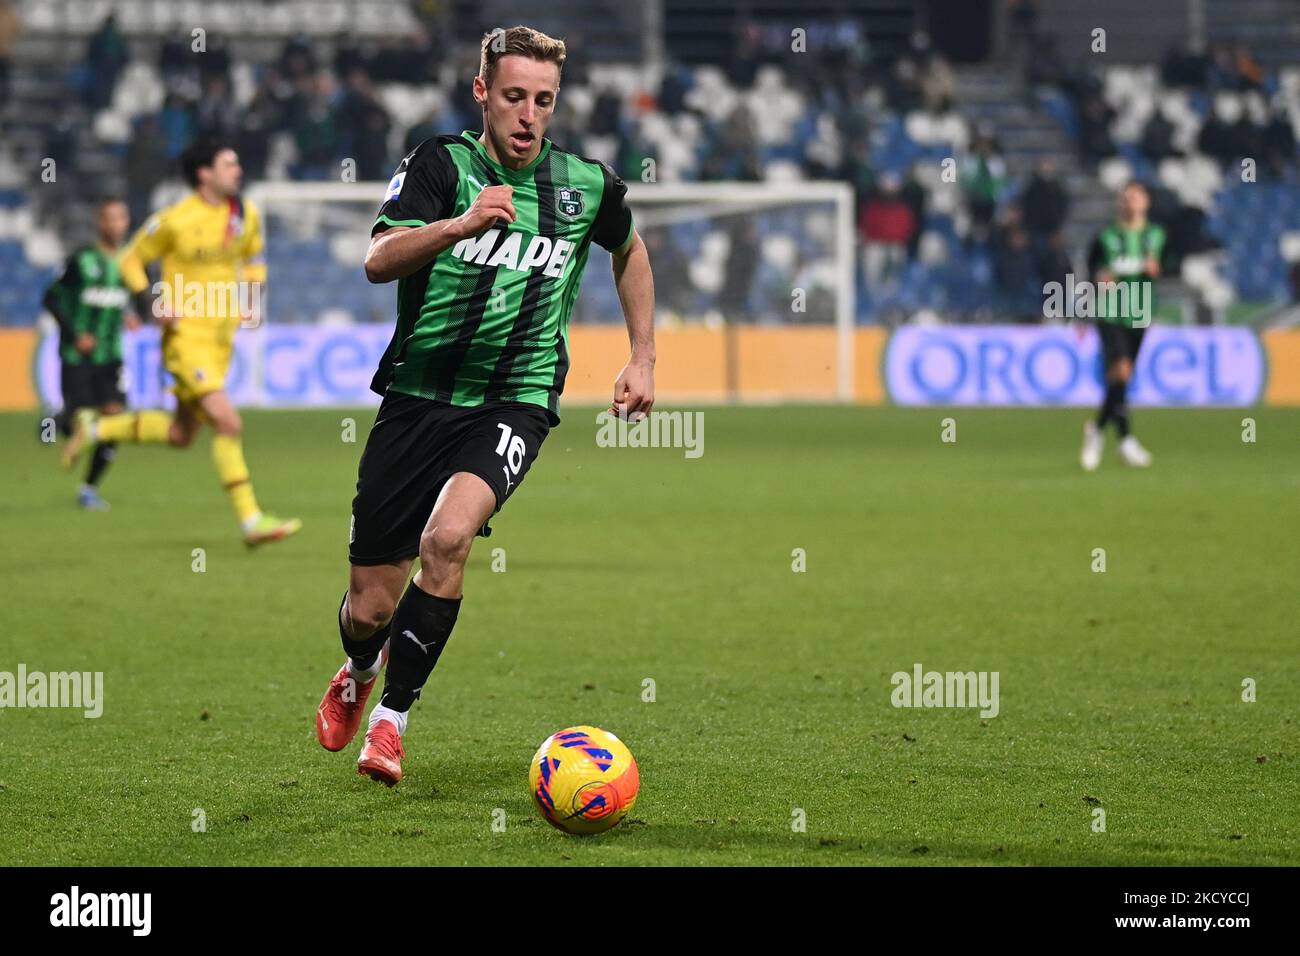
634, 391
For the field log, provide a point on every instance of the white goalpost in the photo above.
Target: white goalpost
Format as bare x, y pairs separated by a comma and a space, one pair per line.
755, 290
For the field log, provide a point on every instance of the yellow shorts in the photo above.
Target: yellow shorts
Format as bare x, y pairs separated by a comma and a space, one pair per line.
198, 368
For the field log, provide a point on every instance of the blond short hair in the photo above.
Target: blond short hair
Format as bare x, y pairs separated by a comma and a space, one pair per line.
518, 41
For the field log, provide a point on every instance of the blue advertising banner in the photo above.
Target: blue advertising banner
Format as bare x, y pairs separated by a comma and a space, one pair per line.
288, 365
1061, 365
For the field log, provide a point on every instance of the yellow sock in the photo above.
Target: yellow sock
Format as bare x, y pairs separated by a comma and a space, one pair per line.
228, 455
137, 427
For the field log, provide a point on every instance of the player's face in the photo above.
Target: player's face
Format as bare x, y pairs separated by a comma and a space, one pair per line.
517, 107
114, 221
1133, 202
227, 176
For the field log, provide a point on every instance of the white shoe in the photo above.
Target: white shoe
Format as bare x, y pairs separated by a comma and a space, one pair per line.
1093, 443
1132, 453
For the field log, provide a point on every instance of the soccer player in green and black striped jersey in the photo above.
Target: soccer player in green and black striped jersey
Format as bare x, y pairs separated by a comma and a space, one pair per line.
89, 301
1125, 258
487, 234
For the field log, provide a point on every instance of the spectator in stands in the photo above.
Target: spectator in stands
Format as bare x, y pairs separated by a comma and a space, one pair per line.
1044, 202
173, 60
1054, 263
913, 194
264, 115
1279, 142
177, 124
676, 83
982, 176
347, 55
147, 164
1095, 117
1247, 137
939, 85
1222, 72
214, 61
606, 117
452, 119
738, 274
1016, 267
1047, 67
732, 149
676, 297
297, 60
742, 66
887, 226
217, 115
904, 92
858, 172
10, 26
415, 60
1250, 75
363, 126
1158, 137
1023, 29
106, 58
1187, 67
315, 132
1225, 136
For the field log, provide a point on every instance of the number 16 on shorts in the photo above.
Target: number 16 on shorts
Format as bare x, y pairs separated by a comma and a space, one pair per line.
512, 448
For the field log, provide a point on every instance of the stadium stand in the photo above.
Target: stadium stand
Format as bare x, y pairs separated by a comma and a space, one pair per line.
1036, 154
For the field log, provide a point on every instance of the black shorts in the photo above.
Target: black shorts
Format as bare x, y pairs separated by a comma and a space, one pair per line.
414, 447
1119, 341
91, 386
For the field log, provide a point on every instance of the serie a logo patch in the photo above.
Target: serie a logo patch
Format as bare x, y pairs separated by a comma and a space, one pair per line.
568, 201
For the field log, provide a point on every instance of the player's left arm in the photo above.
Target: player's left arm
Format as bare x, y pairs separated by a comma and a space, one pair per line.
1155, 250
151, 242
634, 389
252, 273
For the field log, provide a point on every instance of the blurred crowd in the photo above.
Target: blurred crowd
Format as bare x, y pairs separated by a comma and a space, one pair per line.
844, 113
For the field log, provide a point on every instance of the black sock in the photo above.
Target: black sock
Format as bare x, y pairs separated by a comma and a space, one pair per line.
421, 628
100, 459
1114, 397
365, 651
1120, 412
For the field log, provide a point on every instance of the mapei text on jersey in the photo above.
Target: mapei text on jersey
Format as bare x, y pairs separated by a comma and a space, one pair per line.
541, 249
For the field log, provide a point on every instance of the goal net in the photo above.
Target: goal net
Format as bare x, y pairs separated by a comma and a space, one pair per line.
754, 289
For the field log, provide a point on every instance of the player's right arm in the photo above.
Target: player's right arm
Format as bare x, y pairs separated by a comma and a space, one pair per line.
149, 244
400, 250
60, 301
414, 224
1097, 262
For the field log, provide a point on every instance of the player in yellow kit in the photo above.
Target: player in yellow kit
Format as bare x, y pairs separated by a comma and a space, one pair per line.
210, 247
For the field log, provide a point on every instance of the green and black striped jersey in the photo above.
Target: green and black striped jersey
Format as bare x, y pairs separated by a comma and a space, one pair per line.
487, 319
1123, 252
89, 297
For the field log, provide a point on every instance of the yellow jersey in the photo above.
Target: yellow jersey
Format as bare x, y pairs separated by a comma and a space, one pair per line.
211, 259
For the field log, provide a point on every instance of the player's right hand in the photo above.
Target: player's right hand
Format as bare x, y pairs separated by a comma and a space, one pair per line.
85, 343
491, 204
163, 314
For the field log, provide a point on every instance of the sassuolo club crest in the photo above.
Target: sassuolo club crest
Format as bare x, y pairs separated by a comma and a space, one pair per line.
569, 202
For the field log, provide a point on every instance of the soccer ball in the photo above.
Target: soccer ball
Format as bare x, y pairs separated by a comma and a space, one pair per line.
583, 780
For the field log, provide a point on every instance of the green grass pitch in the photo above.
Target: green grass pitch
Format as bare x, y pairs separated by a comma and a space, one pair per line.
1119, 690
